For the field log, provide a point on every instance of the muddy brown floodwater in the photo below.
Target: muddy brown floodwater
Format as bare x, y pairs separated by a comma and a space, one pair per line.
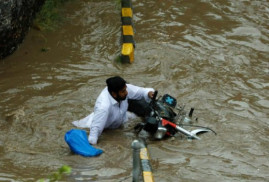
213, 55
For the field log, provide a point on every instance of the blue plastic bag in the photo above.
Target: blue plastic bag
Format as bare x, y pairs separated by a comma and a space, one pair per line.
78, 143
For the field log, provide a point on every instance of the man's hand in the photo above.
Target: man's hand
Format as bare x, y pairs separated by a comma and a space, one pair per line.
92, 140
150, 94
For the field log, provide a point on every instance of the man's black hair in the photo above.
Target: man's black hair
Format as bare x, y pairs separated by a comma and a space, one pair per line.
115, 84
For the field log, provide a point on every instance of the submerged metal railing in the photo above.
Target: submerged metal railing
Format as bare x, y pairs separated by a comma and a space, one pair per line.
142, 169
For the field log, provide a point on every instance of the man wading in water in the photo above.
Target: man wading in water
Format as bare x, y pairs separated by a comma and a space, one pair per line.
110, 110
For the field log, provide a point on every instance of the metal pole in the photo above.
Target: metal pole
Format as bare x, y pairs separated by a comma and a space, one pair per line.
136, 145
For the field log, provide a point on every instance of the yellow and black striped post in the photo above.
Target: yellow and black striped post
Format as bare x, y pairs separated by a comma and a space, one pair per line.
141, 162
146, 167
128, 43
127, 53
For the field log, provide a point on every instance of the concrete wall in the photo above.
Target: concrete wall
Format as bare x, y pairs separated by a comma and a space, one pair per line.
16, 16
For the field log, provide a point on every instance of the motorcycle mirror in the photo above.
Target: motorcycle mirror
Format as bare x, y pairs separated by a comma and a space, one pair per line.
191, 112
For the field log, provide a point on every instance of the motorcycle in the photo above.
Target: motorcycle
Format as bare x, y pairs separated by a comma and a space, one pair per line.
164, 121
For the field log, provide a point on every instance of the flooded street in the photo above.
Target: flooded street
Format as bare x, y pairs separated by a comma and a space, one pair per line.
211, 55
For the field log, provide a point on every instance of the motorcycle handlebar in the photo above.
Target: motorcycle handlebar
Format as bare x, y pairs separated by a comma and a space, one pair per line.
155, 95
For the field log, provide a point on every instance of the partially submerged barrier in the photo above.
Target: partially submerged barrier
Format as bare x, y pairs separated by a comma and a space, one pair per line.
141, 162
128, 43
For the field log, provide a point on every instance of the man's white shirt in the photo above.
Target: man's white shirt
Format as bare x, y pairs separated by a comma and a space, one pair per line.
108, 113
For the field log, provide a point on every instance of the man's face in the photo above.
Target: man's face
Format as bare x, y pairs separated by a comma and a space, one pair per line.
122, 94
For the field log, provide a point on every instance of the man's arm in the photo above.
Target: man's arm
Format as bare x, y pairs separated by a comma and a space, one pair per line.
137, 93
98, 125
